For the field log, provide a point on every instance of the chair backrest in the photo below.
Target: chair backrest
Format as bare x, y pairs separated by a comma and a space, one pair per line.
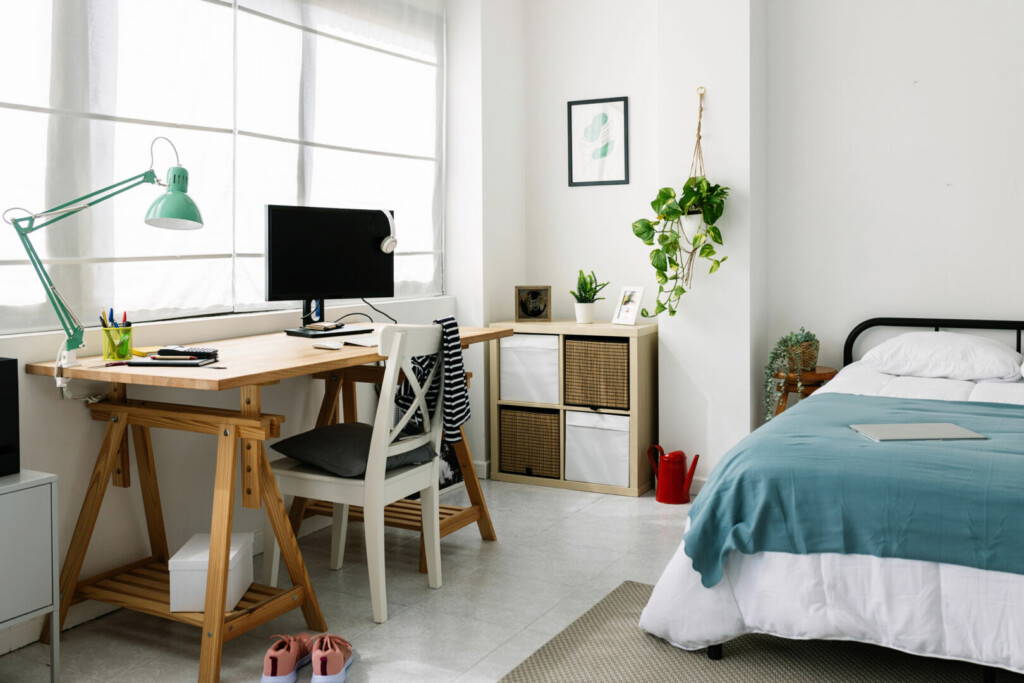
400, 344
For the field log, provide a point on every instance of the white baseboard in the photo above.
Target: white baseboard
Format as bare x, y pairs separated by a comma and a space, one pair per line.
26, 633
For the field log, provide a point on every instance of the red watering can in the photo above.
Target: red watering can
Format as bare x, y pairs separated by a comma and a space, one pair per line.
673, 479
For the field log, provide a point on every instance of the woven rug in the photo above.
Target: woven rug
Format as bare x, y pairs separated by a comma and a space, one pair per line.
606, 644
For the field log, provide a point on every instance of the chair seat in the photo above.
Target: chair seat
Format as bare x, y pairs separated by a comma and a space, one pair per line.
296, 478
343, 449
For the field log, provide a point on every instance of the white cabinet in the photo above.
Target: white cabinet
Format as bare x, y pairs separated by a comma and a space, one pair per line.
29, 580
597, 448
574, 406
529, 368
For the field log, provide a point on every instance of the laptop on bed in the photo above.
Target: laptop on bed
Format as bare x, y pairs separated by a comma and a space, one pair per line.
916, 431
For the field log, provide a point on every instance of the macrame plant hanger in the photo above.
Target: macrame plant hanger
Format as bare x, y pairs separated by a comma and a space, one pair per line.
697, 165
696, 169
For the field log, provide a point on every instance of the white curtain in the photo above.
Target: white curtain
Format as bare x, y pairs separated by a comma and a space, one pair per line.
315, 102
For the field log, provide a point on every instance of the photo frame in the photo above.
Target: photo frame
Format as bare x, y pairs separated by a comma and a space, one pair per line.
628, 306
533, 303
599, 141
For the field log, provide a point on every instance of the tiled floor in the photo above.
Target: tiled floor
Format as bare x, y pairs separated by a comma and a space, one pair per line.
558, 553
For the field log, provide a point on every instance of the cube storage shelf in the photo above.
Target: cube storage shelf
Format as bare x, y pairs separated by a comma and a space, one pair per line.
574, 406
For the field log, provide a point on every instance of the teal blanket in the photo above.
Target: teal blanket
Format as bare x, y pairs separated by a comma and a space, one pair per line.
807, 483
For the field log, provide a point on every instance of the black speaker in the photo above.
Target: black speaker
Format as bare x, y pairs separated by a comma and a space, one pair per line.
10, 460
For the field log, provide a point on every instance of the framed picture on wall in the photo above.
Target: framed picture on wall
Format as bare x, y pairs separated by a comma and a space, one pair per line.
599, 142
629, 306
533, 304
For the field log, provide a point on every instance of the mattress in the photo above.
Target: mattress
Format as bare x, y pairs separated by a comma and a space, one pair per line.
925, 608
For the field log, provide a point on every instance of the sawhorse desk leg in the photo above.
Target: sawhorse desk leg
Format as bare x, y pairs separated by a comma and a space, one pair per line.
143, 585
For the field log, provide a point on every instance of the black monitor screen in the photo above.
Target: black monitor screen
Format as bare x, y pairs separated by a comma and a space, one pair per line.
318, 253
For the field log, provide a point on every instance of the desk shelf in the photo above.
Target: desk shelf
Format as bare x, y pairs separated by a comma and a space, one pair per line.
144, 586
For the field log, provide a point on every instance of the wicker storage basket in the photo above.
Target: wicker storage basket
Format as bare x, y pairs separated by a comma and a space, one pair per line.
530, 442
803, 357
596, 372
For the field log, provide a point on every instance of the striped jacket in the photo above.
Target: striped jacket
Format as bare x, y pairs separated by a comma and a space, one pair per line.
455, 411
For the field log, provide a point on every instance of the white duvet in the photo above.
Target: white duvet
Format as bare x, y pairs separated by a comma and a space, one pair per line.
925, 608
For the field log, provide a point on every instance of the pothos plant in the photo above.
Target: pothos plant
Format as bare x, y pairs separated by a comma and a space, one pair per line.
676, 252
779, 361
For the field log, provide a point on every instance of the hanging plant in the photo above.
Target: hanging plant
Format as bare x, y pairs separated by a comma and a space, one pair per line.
677, 247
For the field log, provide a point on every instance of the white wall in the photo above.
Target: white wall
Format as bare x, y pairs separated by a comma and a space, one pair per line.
895, 150
59, 437
504, 147
704, 355
575, 50
484, 232
653, 52
464, 240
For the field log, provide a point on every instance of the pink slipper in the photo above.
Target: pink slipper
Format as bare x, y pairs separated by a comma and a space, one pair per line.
285, 657
332, 657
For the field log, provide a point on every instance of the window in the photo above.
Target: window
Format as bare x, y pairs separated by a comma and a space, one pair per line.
313, 102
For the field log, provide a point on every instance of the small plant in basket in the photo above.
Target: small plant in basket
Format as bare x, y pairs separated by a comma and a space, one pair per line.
794, 353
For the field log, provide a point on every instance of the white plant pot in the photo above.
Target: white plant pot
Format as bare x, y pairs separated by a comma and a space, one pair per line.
691, 222
584, 314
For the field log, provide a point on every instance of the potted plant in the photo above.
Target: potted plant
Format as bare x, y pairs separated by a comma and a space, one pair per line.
586, 293
684, 229
794, 353
677, 246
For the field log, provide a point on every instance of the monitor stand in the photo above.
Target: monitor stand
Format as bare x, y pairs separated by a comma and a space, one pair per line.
320, 334
313, 312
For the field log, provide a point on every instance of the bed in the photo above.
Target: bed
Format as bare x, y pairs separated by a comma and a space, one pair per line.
919, 549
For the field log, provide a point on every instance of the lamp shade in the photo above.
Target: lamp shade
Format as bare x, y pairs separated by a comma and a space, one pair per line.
175, 210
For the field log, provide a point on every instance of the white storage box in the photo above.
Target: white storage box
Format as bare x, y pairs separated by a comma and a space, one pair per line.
188, 572
529, 368
597, 448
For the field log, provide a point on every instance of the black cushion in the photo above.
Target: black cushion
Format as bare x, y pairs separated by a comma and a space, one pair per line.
343, 449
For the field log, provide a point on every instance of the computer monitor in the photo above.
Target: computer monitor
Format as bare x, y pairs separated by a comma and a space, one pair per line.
317, 253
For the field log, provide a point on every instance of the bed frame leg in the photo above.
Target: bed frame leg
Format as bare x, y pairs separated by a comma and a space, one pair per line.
989, 675
715, 653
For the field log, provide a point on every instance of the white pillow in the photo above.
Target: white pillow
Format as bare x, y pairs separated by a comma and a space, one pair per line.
945, 354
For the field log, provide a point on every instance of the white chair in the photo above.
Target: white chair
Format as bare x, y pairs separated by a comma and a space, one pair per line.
379, 486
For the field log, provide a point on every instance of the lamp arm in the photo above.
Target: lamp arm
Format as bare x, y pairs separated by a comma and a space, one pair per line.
73, 329
26, 225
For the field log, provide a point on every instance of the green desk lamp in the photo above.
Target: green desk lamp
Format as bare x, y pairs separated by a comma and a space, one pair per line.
172, 210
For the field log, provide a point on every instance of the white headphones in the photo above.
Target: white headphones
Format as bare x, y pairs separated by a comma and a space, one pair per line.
389, 243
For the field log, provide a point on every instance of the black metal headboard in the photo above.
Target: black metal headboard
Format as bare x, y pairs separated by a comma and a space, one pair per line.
934, 323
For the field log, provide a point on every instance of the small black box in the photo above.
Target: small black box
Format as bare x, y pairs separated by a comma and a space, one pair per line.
10, 458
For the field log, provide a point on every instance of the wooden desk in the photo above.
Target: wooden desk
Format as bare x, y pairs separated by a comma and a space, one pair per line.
246, 363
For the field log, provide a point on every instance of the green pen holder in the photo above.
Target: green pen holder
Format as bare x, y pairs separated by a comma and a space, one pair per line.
117, 343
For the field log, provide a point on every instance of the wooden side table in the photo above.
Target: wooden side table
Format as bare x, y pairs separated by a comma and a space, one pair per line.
804, 383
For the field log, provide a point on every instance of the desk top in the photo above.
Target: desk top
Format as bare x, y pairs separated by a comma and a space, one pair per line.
261, 359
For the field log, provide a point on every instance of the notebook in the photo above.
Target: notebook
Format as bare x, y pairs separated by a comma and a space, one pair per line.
149, 362
916, 431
